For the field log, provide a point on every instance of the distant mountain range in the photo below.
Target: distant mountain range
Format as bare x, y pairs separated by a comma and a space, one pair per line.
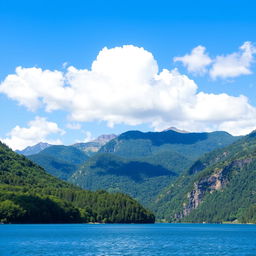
88, 147
180, 176
31, 150
143, 164
62, 161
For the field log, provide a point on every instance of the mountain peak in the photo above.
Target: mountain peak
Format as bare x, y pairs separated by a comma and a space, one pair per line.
175, 130
104, 138
31, 150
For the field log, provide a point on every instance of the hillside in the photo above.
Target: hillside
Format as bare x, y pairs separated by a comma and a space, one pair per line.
60, 161
143, 164
29, 195
140, 179
219, 187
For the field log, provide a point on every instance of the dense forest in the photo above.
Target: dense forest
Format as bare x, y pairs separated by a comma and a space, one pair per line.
143, 164
60, 161
29, 195
219, 187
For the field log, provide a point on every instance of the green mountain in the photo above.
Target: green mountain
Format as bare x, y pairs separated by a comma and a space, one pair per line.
60, 161
140, 179
219, 187
30, 195
134, 144
143, 164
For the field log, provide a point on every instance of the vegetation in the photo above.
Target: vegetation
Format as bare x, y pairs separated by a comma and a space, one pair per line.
29, 195
224, 184
141, 179
60, 161
134, 144
143, 164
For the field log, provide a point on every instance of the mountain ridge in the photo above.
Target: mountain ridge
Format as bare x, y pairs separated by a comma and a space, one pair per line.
31, 150
155, 158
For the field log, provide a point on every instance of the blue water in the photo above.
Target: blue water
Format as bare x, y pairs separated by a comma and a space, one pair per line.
146, 240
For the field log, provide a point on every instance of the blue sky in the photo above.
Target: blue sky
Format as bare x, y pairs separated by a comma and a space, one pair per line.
121, 92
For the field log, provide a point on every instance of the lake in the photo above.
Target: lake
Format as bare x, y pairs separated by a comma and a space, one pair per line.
133, 239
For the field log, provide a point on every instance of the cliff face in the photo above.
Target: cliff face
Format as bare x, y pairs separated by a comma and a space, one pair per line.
216, 181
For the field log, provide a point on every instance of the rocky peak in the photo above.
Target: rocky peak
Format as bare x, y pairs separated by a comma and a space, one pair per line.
103, 139
175, 130
31, 150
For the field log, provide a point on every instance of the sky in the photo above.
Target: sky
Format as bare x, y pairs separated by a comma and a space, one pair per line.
73, 70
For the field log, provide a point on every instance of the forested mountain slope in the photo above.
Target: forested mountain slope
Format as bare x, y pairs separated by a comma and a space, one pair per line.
29, 195
60, 161
219, 187
143, 164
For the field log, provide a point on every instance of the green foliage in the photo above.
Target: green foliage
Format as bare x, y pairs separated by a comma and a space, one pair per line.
249, 215
234, 201
29, 195
134, 144
60, 161
143, 164
10, 212
141, 179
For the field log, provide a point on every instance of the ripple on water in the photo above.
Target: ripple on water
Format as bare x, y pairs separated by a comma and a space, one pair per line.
135, 240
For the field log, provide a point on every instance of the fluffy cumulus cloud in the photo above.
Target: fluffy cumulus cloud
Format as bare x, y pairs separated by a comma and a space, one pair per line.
124, 85
197, 61
234, 64
222, 66
38, 130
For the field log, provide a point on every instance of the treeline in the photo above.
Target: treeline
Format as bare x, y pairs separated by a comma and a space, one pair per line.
29, 195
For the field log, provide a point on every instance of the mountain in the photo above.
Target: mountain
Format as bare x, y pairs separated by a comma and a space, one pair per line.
143, 164
219, 187
30, 195
60, 161
103, 139
93, 146
31, 150
133, 144
141, 179
175, 129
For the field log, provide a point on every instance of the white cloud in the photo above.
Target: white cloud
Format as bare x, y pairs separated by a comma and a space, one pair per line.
223, 66
197, 61
33, 87
235, 64
125, 86
37, 131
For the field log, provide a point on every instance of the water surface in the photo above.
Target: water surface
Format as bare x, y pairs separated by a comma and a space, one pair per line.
117, 239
